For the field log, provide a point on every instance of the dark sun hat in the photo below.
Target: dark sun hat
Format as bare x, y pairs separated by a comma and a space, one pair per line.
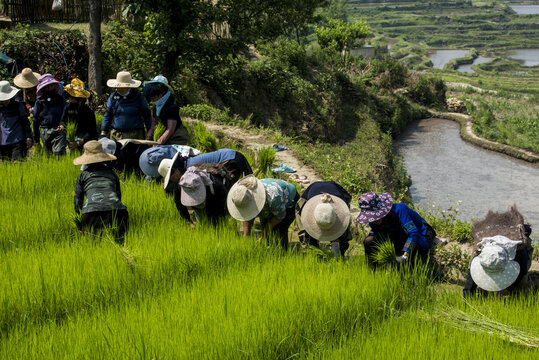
374, 207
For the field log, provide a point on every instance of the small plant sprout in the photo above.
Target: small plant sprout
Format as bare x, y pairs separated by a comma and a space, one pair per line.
159, 130
71, 130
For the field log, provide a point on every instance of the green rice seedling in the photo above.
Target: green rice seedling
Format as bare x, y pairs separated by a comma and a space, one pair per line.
480, 323
159, 130
384, 253
265, 160
71, 130
203, 139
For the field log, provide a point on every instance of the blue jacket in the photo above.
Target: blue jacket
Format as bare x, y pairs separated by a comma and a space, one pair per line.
48, 111
125, 113
14, 124
403, 225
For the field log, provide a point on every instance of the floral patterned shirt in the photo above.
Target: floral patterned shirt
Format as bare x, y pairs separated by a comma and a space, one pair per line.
279, 197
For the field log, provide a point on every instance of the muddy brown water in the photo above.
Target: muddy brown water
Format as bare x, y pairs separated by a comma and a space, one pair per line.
445, 169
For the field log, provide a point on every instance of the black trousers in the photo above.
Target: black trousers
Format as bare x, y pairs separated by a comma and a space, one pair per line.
13, 151
282, 228
522, 257
98, 220
343, 241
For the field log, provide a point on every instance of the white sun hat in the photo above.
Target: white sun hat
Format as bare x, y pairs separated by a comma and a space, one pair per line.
325, 217
7, 91
123, 80
494, 269
246, 198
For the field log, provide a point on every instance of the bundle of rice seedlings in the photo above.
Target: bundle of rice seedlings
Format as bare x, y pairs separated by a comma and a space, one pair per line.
159, 130
71, 130
266, 157
384, 253
204, 141
480, 323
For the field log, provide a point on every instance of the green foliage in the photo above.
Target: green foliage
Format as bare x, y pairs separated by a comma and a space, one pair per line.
201, 138
453, 263
340, 37
447, 224
62, 54
427, 90
204, 112
159, 130
265, 159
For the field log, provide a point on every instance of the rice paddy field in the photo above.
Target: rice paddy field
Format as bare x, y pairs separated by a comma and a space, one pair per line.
177, 291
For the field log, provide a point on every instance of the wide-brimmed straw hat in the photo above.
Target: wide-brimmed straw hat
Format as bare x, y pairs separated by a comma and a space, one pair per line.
494, 269
193, 186
47, 79
160, 79
246, 198
76, 89
123, 80
374, 207
7, 91
93, 153
26, 79
325, 217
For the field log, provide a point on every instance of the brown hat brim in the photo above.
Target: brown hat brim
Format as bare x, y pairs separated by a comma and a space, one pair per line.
25, 83
86, 159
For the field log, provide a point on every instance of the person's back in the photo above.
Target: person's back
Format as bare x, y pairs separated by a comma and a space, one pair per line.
101, 187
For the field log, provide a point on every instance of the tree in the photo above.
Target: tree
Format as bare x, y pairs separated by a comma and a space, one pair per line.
339, 36
94, 47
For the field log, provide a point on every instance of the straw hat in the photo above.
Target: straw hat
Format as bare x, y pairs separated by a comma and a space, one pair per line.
325, 217
7, 91
76, 89
193, 184
93, 153
26, 79
246, 198
494, 269
374, 207
123, 80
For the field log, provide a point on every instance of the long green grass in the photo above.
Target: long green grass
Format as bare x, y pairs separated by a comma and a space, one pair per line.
180, 291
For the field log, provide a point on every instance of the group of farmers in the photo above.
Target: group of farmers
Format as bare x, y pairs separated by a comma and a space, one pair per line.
213, 185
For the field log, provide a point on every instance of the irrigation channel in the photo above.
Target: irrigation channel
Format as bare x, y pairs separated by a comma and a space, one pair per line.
446, 169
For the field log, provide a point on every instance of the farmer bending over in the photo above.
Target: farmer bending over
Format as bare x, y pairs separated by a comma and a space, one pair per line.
272, 200
101, 186
410, 234
323, 214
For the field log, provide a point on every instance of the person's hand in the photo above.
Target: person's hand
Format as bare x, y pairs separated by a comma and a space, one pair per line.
73, 145
402, 259
102, 135
29, 143
60, 128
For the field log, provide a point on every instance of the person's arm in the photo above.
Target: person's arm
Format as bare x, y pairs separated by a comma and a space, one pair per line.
151, 130
184, 212
89, 121
270, 225
107, 117
78, 199
118, 187
247, 226
145, 113
410, 228
171, 127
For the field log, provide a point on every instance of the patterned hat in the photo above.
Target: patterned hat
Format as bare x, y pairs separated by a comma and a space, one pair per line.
494, 269
374, 207
76, 89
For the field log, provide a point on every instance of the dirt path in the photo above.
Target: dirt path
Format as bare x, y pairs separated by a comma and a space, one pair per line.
256, 141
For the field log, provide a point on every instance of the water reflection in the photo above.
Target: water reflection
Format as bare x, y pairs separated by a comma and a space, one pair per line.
444, 167
441, 57
525, 57
525, 9
467, 68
